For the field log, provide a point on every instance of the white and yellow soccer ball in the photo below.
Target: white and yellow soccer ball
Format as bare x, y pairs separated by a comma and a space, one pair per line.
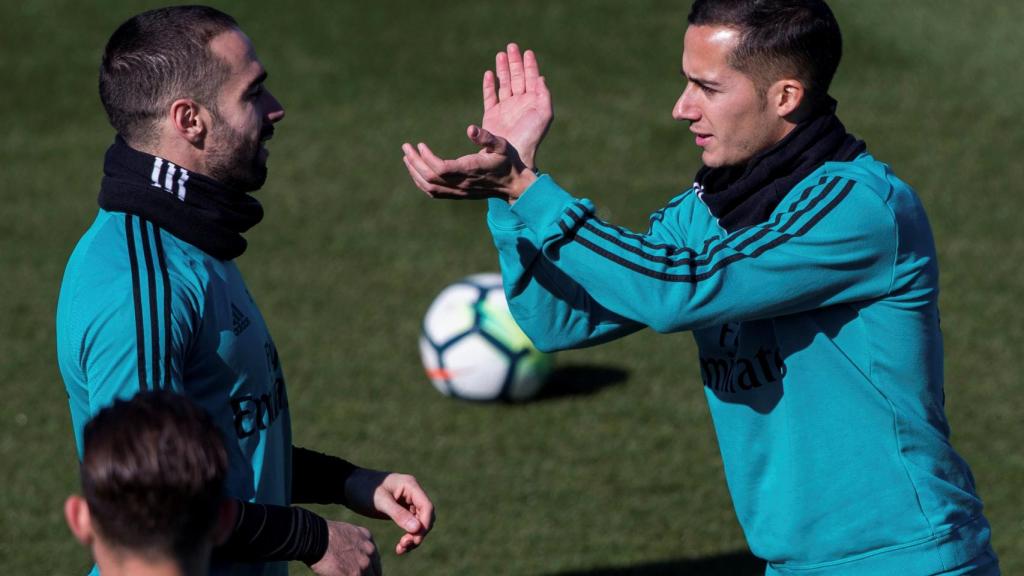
473, 349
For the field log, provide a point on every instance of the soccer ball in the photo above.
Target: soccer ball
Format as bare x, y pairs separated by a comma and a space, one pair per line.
473, 349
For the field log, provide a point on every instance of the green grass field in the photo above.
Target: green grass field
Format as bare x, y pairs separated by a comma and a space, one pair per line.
616, 469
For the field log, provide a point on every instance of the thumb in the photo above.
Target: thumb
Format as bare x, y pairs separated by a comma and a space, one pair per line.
542, 90
402, 517
485, 139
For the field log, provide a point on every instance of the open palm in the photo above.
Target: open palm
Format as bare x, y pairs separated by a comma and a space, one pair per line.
517, 104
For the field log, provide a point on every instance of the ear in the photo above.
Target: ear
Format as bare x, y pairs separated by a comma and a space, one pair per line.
190, 120
786, 96
76, 514
227, 517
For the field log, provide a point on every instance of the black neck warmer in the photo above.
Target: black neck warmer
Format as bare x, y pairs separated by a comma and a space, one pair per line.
193, 207
741, 196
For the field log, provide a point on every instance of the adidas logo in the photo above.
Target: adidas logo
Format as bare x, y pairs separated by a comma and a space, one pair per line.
239, 320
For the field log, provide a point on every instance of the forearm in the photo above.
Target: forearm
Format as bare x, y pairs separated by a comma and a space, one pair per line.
550, 307
319, 478
267, 533
819, 251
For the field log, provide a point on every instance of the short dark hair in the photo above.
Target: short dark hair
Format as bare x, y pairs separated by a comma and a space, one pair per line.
153, 471
779, 38
157, 57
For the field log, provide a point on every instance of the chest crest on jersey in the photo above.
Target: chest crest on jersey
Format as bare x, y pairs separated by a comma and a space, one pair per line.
747, 358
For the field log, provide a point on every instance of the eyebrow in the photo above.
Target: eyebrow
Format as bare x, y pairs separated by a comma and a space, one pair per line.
701, 81
257, 80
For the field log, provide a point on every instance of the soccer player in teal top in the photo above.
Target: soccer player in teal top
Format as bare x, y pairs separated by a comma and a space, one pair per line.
152, 298
805, 269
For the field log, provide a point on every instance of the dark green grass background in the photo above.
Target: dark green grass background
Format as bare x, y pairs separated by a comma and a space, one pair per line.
615, 471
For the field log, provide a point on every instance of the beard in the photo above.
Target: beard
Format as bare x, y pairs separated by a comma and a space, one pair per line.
235, 160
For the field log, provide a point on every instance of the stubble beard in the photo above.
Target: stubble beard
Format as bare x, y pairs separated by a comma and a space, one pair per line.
235, 162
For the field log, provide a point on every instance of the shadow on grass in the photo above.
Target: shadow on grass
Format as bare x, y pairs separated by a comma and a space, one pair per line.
580, 380
729, 564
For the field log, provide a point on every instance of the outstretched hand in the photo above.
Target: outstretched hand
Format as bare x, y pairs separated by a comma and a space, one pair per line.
517, 103
495, 171
395, 496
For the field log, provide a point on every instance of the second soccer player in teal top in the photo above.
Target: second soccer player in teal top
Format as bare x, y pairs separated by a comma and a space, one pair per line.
805, 269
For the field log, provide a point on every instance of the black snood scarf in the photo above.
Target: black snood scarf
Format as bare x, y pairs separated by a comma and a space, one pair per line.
741, 196
193, 207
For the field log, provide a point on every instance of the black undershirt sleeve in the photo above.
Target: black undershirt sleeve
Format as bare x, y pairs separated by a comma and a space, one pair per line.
318, 478
268, 533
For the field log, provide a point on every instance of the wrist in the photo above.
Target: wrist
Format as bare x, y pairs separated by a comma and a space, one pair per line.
319, 478
528, 160
520, 182
359, 489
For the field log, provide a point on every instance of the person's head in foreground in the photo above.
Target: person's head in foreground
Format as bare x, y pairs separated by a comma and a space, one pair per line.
755, 70
152, 502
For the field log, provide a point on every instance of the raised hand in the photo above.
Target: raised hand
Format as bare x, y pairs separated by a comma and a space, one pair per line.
517, 104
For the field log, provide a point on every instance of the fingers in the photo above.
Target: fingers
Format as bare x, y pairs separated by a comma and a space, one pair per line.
375, 566
544, 96
490, 96
417, 179
424, 510
501, 68
425, 178
531, 70
437, 165
430, 189
485, 174
515, 66
516, 72
408, 504
350, 550
414, 160
402, 517
369, 564
486, 140
421, 164
419, 504
408, 542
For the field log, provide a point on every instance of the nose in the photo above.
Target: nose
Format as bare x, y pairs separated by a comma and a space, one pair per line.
275, 111
685, 107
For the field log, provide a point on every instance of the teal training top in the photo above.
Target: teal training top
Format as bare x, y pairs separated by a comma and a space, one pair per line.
141, 309
820, 355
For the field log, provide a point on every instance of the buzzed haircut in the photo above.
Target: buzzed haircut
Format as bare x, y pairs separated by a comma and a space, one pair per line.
779, 38
153, 471
156, 58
